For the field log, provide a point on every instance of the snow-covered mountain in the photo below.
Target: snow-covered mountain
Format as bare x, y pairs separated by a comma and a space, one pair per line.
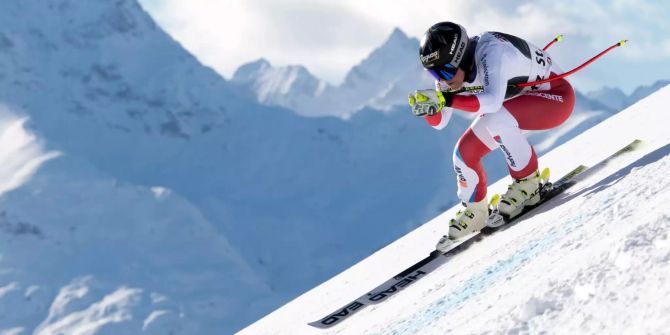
176, 199
616, 99
97, 240
381, 81
144, 194
644, 91
594, 260
288, 86
611, 97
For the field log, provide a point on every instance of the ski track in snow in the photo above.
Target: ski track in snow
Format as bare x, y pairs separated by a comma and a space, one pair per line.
582, 293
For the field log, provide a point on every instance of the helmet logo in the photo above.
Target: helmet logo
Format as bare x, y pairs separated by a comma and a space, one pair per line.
459, 54
431, 57
453, 45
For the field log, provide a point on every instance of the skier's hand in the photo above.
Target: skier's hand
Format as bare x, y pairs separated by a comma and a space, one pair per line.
429, 102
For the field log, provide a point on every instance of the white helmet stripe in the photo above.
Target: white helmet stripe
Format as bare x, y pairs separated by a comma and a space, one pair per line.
460, 48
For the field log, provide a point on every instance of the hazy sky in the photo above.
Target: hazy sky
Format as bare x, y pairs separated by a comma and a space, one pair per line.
329, 37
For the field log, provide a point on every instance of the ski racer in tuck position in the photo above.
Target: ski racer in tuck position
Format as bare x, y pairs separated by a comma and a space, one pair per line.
480, 75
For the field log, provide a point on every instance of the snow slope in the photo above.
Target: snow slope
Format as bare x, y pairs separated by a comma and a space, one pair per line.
21, 152
595, 260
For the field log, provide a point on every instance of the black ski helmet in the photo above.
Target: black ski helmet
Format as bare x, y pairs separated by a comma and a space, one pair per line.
443, 48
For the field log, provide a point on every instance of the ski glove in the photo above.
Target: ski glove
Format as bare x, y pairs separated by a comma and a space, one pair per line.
429, 102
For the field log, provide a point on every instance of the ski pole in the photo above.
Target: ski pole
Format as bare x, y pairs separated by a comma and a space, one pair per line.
558, 38
563, 75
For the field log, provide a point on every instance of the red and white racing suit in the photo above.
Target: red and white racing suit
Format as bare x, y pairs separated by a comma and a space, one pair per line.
505, 110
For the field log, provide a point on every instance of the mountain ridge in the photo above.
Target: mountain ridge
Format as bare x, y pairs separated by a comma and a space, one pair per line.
381, 81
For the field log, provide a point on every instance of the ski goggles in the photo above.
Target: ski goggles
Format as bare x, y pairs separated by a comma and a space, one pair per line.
443, 72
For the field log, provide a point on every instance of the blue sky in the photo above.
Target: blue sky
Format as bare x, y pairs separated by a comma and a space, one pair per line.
329, 37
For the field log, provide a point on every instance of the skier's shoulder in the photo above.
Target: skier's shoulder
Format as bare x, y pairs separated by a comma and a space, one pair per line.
487, 41
487, 37
491, 38
497, 42
487, 46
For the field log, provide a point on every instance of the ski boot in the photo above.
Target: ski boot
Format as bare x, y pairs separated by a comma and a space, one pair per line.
469, 220
523, 192
503, 213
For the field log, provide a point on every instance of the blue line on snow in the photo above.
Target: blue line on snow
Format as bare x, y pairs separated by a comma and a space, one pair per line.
478, 283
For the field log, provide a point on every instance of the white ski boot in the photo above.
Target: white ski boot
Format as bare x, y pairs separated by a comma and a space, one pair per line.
523, 192
469, 220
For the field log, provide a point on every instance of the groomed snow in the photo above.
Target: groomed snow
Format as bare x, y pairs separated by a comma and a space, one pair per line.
595, 260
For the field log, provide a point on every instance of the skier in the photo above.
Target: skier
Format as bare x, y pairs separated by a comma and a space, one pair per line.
486, 69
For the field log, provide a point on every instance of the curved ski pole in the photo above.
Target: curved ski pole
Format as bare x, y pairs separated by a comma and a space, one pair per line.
563, 75
585, 64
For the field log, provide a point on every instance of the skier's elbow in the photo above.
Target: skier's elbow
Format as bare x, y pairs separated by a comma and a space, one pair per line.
440, 120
